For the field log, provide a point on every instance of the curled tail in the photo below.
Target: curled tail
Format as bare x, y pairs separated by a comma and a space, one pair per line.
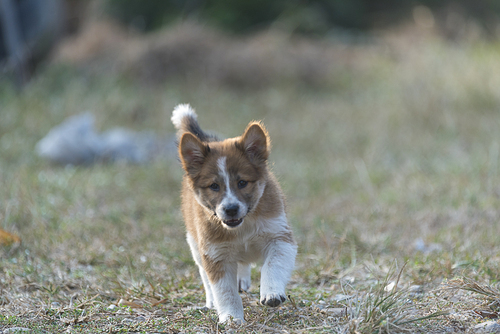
185, 120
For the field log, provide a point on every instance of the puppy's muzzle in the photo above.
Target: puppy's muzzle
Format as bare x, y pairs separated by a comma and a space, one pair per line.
232, 210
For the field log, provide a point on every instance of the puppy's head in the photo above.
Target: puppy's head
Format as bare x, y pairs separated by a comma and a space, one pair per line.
227, 177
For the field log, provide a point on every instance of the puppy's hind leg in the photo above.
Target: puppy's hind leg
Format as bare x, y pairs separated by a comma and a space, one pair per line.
244, 280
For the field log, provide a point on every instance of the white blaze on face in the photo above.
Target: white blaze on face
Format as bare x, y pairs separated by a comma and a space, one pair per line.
229, 198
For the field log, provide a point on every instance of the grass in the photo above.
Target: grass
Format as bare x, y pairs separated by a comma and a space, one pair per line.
391, 169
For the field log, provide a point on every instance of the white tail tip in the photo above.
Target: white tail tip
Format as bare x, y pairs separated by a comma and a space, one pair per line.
181, 111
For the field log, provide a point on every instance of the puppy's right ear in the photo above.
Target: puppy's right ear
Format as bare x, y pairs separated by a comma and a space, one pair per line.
255, 142
192, 153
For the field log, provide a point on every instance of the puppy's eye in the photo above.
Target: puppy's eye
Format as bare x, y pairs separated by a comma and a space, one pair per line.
242, 184
214, 187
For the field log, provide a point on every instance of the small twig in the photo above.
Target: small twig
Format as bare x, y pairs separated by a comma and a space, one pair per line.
293, 302
160, 302
263, 326
315, 328
399, 275
269, 318
87, 301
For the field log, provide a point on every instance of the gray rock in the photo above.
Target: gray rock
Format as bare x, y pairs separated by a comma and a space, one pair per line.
420, 246
76, 142
16, 330
129, 321
487, 327
416, 291
112, 307
337, 311
124, 145
72, 142
340, 297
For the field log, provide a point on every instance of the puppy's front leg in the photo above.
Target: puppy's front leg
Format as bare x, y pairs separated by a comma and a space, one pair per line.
279, 260
223, 279
206, 283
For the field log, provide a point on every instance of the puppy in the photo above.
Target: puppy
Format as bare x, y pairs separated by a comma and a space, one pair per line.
234, 211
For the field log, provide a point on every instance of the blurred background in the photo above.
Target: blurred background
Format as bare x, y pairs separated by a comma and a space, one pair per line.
44, 31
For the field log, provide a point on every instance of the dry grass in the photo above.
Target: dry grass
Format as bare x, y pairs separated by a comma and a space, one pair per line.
391, 168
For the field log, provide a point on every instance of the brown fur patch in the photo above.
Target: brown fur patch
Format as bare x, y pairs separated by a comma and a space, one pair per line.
214, 269
272, 202
286, 237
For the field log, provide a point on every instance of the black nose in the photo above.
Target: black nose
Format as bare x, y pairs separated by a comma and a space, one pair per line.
231, 210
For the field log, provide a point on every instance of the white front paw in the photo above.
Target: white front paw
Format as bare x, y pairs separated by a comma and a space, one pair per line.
272, 299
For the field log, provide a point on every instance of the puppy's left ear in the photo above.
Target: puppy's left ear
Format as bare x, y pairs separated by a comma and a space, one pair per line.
256, 142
